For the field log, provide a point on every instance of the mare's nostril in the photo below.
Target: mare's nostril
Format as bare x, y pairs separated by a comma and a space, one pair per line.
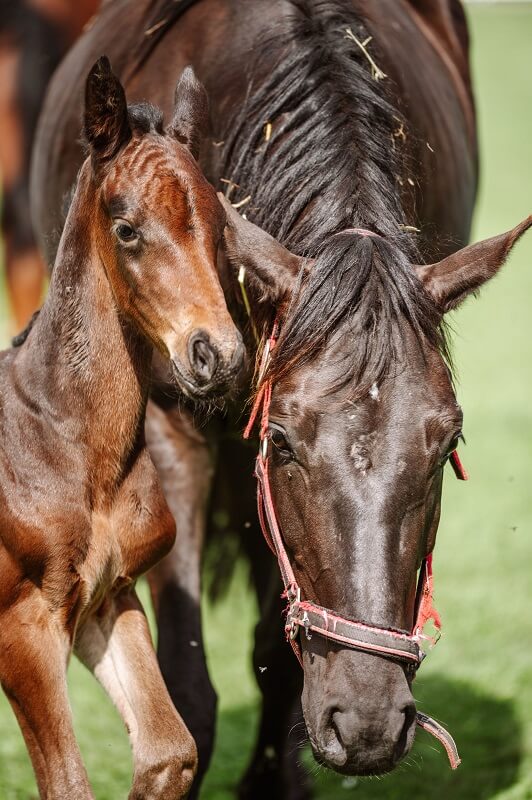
333, 746
334, 725
203, 356
404, 741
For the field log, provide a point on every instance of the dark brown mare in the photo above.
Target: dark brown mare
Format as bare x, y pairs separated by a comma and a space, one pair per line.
82, 513
34, 36
317, 129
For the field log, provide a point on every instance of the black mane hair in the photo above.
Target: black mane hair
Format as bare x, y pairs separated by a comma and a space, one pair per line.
314, 148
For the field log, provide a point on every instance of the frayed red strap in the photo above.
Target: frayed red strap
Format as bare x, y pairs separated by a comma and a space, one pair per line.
254, 411
459, 469
426, 609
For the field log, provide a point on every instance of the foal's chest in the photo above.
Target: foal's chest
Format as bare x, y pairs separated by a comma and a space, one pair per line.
129, 536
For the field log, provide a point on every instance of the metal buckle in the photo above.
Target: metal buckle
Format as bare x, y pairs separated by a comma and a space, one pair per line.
306, 624
293, 595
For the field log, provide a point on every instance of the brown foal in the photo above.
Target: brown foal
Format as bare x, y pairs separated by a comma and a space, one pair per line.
82, 514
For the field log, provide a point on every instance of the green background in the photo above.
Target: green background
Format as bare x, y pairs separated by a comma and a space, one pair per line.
478, 681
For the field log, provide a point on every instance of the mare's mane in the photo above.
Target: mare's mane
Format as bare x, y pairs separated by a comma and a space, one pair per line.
314, 148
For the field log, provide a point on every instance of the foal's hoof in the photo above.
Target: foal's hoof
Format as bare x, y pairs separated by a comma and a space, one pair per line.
266, 780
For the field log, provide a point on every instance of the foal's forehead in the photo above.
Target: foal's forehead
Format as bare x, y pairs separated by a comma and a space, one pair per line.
156, 172
151, 162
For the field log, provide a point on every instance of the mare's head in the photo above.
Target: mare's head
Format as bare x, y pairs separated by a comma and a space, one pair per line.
159, 225
362, 421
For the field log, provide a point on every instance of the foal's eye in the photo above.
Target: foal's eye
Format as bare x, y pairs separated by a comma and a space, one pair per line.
125, 232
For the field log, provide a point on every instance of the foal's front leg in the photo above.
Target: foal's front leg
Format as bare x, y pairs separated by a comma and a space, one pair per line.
33, 660
115, 644
183, 464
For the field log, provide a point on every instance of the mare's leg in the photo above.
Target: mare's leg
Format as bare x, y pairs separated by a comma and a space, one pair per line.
33, 661
183, 464
275, 769
115, 644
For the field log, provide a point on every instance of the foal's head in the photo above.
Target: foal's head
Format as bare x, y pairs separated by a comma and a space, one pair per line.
159, 225
362, 421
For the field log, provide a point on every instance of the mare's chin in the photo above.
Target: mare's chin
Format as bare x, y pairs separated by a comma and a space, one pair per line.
348, 769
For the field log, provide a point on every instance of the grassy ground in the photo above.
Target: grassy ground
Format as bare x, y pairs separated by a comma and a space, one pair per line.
479, 679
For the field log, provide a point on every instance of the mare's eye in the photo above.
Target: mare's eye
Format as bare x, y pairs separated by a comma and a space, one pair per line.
455, 441
280, 442
125, 232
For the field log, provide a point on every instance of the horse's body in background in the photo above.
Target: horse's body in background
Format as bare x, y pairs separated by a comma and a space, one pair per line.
315, 129
439, 111
33, 39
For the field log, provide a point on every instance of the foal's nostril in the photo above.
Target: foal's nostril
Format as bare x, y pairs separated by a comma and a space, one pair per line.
203, 356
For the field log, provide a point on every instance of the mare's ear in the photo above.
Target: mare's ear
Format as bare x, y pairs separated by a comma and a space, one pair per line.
106, 122
191, 112
451, 280
271, 267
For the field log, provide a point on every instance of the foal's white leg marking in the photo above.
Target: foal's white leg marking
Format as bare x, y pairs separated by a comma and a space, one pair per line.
98, 649
116, 646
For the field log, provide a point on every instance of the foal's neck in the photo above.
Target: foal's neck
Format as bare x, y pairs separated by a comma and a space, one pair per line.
86, 364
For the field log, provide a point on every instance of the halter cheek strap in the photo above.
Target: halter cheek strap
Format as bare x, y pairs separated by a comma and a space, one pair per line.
310, 618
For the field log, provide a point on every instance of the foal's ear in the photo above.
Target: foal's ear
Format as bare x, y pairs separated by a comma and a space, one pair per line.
106, 123
451, 280
270, 266
191, 112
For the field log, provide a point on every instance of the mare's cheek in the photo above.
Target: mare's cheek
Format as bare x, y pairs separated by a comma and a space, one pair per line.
291, 504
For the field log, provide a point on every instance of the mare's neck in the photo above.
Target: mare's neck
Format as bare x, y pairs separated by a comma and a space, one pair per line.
85, 365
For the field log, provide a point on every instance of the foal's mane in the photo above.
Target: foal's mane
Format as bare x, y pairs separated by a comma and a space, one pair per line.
313, 149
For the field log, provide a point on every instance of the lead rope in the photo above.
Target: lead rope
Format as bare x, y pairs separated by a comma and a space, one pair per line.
292, 592
438, 731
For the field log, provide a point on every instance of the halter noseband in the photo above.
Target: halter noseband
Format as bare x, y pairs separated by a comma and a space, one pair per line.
304, 615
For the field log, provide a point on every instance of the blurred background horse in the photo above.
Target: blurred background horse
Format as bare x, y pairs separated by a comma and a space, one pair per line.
34, 36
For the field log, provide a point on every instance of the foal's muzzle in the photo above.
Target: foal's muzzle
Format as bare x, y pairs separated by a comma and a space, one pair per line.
212, 370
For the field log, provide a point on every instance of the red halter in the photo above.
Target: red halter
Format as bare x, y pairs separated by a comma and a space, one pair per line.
314, 619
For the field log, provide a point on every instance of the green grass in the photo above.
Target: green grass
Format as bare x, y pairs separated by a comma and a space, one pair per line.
479, 679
